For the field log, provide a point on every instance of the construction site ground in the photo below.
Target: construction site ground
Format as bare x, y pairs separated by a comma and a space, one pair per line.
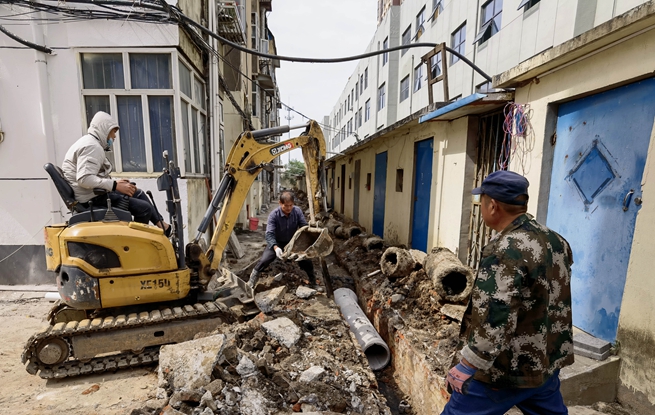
324, 341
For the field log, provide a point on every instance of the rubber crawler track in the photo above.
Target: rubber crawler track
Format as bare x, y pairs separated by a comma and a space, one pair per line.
150, 355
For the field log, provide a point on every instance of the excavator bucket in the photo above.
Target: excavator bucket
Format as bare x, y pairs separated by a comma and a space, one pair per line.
309, 242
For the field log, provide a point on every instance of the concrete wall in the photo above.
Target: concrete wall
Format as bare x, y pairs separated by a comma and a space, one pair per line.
637, 321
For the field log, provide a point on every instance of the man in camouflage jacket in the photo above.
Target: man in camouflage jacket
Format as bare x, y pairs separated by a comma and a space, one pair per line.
518, 322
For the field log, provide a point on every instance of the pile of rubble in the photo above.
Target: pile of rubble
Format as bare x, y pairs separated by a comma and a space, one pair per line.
298, 357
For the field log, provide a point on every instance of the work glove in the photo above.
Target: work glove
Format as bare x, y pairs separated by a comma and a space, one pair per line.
279, 253
459, 375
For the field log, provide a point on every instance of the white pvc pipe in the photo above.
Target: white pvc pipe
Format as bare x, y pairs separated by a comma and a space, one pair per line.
376, 350
52, 296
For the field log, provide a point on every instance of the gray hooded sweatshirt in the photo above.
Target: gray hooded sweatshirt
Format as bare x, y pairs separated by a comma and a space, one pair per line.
85, 165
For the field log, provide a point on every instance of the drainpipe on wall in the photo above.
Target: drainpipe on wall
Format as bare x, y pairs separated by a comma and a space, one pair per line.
46, 119
411, 87
443, 144
475, 49
214, 135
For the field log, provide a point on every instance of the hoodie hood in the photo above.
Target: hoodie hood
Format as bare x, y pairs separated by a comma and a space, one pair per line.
101, 125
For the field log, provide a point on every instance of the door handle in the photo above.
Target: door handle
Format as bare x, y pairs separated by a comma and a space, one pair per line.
626, 200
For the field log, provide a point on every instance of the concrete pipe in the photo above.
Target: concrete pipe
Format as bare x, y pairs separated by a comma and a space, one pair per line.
332, 226
397, 262
376, 350
373, 243
452, 280
344, 232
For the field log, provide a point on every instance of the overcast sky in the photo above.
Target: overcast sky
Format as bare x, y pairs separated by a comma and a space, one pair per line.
321, 29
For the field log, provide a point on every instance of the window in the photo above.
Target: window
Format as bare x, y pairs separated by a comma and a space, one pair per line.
367, 110
381, 96
404, 88
406, 38
361, 84
458, 42
399, 180
418, 77
527, 4
359, 118
350, 127
484, 87
357, 90
385, 56
144, 109
254, 35
366, 78
435, 65
437, 9
490, 20
352, 98
420, 19
255, 99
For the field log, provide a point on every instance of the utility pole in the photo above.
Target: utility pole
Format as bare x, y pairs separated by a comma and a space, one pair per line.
288, 118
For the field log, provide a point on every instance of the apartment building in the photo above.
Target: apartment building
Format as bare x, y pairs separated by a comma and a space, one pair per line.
170, 89
581, 73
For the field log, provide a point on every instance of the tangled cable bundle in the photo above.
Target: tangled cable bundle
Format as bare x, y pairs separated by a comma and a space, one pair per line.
518, 139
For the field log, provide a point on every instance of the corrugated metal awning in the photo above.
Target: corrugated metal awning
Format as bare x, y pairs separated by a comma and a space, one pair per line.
470, 105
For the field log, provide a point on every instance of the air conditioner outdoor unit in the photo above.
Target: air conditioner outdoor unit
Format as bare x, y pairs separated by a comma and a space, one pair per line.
263, 46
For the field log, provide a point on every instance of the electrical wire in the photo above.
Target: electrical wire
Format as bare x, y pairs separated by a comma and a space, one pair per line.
25, 42
518, 138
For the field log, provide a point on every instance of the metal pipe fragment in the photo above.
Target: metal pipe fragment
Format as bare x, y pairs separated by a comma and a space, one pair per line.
452, 280
376, 350
397, 262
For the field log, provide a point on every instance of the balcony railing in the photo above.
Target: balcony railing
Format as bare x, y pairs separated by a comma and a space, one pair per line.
230, 18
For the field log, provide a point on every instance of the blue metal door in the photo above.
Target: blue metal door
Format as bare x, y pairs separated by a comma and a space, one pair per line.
601, 148
422, 187
379, 193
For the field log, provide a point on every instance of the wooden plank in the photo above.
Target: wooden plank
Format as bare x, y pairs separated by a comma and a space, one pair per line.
235, 246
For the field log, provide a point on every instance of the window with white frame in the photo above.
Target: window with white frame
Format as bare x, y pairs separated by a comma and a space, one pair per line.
385, 56
406, 38
420, 19
137, 88
367, 110
357, 89
254, 32
381, 96
458, 42
418, 77
490, 20
527, 4
435, 65
361, 84
404, 88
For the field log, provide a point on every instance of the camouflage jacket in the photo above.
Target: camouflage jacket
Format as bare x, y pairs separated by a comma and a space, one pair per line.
519, 316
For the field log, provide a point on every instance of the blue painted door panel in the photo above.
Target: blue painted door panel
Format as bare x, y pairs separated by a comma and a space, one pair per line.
422, 187
379, 193
602, 143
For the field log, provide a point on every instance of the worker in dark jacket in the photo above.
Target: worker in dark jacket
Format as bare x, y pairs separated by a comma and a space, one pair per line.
282, 224
518, 325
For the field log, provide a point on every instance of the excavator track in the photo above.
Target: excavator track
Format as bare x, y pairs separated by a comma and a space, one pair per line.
83, 347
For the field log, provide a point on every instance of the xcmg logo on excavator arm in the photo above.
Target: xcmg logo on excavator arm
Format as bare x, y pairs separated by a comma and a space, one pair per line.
277, 150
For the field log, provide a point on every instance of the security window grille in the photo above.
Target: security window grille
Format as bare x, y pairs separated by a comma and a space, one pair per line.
407, 35
435, 65
420, 19
418, 77
145, 109
527, 4
490, 20
458, 42
385, 56
367, 110
381, 96
437, 9
404, 88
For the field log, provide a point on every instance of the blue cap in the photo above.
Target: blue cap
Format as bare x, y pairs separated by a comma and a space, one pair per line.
504, 186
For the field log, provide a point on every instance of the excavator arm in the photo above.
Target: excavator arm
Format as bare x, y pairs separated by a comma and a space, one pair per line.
250, 154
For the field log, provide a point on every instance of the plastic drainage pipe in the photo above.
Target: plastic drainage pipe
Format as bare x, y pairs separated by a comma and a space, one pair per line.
376, 350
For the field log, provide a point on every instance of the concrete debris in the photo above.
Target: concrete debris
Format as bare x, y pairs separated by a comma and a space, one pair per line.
189, 365
311, 374
344, 232
452, 280
246, 367
207, 401
305, 292
454, 311
396, 298
283, 330
589, 346
267, 300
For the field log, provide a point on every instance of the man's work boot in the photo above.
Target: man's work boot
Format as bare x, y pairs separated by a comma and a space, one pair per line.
254, 276
313, 284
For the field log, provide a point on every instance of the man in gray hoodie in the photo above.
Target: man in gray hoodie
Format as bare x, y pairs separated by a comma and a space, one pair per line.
87, 167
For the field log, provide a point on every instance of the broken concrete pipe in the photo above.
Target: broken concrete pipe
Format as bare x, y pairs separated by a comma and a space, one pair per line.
376, 350
452, 280
373, 243
398, 262
344, 232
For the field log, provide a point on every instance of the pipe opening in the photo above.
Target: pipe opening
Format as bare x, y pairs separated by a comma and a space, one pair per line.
355, 232
392, 258
378, 356
454, 283
375, 245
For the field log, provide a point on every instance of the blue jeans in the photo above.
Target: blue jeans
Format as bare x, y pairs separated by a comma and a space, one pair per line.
480, 399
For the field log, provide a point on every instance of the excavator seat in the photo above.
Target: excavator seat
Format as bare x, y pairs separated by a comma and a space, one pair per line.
78, 211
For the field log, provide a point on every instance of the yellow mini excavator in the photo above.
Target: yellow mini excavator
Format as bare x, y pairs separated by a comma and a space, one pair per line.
126, 289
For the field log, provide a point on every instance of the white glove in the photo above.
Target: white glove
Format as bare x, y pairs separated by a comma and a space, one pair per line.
278, 252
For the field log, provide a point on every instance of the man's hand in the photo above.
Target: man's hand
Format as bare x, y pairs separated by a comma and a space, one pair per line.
125, 187
458, 375
278, 252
